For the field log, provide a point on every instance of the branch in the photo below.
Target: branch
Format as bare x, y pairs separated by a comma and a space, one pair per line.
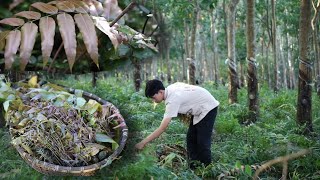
283, 159
128, 8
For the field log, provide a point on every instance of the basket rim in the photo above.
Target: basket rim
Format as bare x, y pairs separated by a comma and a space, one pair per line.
81, 170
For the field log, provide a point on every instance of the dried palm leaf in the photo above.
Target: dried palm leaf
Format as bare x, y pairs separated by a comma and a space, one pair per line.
45, 8
12, 21
12, 45
66, 6
102, 24
28, 38
87, 29
47, 31
67, 31
29, 15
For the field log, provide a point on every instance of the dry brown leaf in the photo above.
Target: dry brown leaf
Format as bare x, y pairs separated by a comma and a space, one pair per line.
68, 34
102, 24
12, 21
112, 10
53, 2
47, 31
3, 36
66, 6
28, 38
98, 6
81, 7
12, 44
29, 14
45, 8
14, 4
87, 29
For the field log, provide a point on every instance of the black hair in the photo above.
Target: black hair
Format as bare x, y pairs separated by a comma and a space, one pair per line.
153, 87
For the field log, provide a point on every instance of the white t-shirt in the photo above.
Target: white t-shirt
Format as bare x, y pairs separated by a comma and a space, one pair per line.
188, 99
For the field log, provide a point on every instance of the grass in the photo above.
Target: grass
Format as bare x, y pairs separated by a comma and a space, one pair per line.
274, 134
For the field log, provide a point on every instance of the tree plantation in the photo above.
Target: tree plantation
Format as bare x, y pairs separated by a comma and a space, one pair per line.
74, 72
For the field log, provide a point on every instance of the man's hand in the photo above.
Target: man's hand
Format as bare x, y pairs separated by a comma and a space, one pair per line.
140, 145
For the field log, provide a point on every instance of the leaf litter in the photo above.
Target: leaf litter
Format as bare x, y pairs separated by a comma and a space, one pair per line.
58, 127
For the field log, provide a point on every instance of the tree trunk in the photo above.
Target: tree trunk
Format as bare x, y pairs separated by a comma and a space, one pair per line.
252, 79
168, 65
283, 59
137, 74
233, 76
192, 67
94, 79
316, 52
304, 109
187, 48
2, 120
274, 47
215, 69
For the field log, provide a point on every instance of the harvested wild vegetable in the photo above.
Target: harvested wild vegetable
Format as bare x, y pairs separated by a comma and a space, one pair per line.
59, 127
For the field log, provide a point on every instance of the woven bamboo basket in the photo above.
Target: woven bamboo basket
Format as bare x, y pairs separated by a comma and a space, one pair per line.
57, 170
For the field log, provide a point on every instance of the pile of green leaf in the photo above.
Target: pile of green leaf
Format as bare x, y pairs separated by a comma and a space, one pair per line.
58, 127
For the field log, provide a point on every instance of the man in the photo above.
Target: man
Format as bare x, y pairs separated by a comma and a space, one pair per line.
191, 100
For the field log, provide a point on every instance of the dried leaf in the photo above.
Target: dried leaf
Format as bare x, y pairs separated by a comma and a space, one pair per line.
104, 138
102, 24
12, 21
14, 4
3, 36
67, 31
12, 44
33, 81
81, 7
27, 148
66, 6
47, 31
98, 6
87, 29
29, 14
53, 2
112, 10
92, 106
6, 105
29, 33
45, 8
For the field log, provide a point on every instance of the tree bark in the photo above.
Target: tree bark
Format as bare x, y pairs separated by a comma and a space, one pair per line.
215, 73
192, 67
274, 47
304, 109
94, 79
137, 74
233, 75
252, 79
187, 54
316, 50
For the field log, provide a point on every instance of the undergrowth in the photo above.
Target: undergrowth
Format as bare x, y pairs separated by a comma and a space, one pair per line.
275, 134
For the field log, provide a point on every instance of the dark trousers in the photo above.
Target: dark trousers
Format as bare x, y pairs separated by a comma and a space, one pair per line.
199, 139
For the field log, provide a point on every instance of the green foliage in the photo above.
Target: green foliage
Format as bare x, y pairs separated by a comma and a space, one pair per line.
234, 145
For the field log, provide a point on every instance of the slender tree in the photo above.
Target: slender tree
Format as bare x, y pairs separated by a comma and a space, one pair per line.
252, 79
215, 60
233, 75
304, 109
192, 67
274, 47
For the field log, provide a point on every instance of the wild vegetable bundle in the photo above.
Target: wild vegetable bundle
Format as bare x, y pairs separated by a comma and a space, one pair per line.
58, 127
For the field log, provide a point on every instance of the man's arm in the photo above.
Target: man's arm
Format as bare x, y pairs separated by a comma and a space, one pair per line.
155, 134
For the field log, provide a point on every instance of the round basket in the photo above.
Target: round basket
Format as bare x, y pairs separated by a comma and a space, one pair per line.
57, 170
